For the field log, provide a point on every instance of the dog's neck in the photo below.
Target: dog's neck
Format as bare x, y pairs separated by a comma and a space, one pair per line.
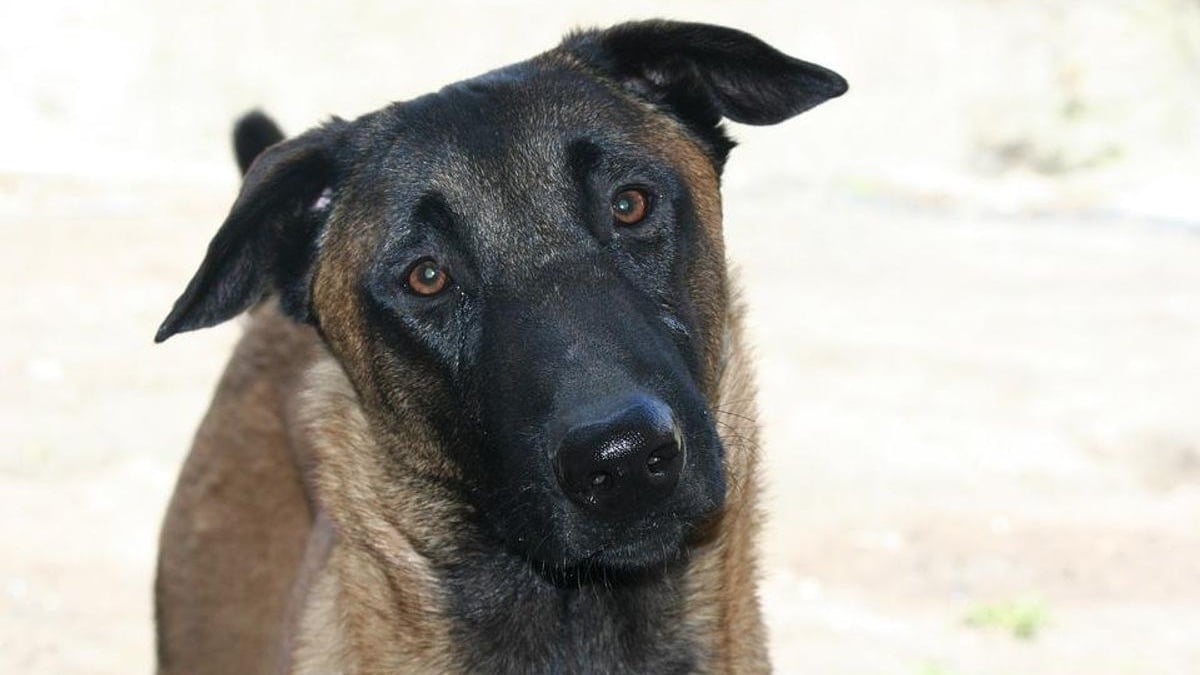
698, 614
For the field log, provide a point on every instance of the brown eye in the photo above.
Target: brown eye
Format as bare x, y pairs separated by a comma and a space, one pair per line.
629, 206
427, 278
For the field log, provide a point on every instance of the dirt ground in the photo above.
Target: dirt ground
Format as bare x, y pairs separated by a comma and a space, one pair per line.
974, 285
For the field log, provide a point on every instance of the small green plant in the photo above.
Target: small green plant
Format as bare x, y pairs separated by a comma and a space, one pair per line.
1024, 618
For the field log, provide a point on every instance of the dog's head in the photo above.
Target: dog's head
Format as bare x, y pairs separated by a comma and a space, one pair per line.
529, 262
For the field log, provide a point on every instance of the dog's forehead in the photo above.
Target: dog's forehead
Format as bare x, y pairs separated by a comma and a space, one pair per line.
495, 147
504, 126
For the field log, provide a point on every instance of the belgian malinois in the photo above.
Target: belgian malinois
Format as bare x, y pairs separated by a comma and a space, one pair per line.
492, 412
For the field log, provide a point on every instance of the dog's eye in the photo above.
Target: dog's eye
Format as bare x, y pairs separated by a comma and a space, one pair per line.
629, 205
427, 277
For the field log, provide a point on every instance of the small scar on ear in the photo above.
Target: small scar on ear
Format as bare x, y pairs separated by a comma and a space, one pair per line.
322, 201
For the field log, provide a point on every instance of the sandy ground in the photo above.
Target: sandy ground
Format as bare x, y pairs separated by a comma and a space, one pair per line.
979, 333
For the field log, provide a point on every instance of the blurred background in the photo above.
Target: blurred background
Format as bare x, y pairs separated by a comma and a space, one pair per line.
974, 284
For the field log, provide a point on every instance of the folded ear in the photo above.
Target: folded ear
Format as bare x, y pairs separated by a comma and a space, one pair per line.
268, 241
702, 73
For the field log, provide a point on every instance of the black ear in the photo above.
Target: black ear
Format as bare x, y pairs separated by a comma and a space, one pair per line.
252, 134
702, 73
268, 241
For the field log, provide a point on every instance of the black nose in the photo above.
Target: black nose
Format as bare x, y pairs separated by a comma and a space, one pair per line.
624, 462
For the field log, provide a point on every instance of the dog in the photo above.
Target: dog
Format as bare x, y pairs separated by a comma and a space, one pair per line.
493, 408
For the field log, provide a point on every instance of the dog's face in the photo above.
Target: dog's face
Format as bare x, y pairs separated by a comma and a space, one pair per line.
531, 242
530, 264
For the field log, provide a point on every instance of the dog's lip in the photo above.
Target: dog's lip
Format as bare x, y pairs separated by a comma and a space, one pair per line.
641, 545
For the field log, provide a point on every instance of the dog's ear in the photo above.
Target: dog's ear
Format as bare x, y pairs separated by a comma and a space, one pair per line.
268, 241
252, 134
702, 73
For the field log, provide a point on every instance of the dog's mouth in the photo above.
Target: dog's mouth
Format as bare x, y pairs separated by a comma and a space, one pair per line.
579, 547
641, 547
639, 552
583, 545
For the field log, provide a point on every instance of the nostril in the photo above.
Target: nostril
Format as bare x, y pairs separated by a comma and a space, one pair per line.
659, 461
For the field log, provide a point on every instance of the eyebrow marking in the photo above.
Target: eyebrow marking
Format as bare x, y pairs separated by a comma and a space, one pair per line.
584, 159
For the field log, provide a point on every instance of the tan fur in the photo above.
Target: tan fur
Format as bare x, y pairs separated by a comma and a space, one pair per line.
377, 589
236, 529
722, 578
254, 579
